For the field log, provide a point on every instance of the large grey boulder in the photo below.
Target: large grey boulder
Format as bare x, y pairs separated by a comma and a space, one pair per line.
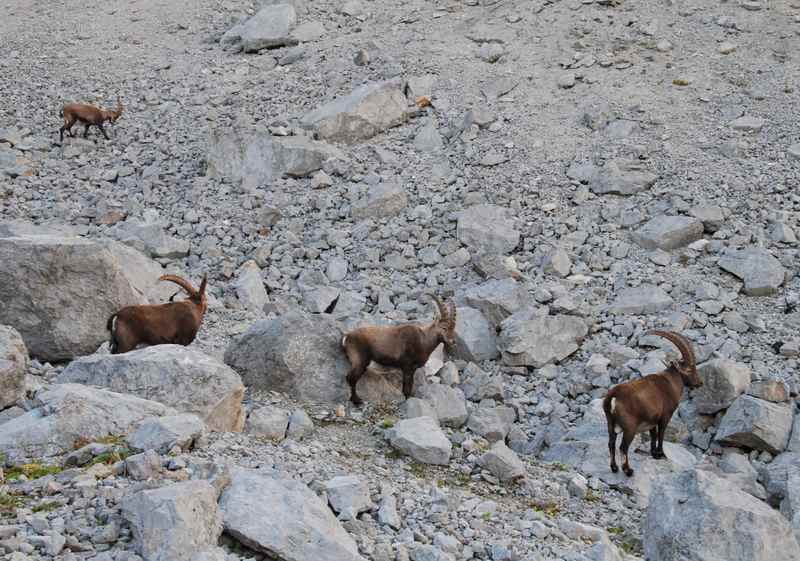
501, 461
492, 423
45, 284
668, 232
448, 403
13, 366
301, 527
640, 300
475, 337
383, 199
366, 111
422, 439
540, 340
250, 288
777, 475
269, 422
497, 299
621, 177
696, 516
71, 412
348, 495
253, 157
723, 381
295, 353
150, 237
173, 523
180, 377
487, 229
762, 273
755, 423
162, 434
270, 27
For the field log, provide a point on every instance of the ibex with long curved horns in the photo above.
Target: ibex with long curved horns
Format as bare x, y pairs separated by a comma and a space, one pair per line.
88, 115
405, 346
648, 403
160, 324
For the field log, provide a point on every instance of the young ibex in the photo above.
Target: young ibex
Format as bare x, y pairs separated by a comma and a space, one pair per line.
174, 323
405, 346
648, 403
88, 115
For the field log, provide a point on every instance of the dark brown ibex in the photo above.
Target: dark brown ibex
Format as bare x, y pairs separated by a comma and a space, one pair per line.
647, 404
405, 346
88, 115
160, 324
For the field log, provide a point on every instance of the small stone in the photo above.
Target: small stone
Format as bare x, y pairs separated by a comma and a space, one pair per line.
566, 80
748, 124
501, 461
726, 48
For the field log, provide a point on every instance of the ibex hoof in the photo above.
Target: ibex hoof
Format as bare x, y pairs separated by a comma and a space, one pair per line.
628, 471
614, 469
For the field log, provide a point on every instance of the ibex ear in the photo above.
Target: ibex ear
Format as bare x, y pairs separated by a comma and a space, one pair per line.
202, 290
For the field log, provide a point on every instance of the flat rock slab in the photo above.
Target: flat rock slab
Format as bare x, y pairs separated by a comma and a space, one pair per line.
540, 340
180, 377
695, 515
253, 157
620, 177
270, 27
640, 300
175, 522
756, 424
422, 439
668, 232
762, 273
365, 112
301, 527
747, 123
162, 434
488, 229
72, 412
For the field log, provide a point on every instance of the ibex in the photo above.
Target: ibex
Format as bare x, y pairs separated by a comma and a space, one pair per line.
88, 115
405, 346
648, 403
173, 323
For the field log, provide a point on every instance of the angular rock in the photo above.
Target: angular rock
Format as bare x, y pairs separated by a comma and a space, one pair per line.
775, 391
761, 272
747, 123
250, 288
757, 424
621, 177
57, 325
13, 366
365, 112
540, 340
478, 384
497, 299
416, 407
428, 138
348, 494
254, 157
422, 439
501, 461
300, 425
150, 237
641, 300
174, 375
558, 262
668, 232
72, 412
475, 337
162, 434
488, 229
723, 381
144, 466
695, 515
301, 526
294, 353
271, 27
492, 423
712, 217
448, 403
387, 511
269, 422
174, 523
383, 199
